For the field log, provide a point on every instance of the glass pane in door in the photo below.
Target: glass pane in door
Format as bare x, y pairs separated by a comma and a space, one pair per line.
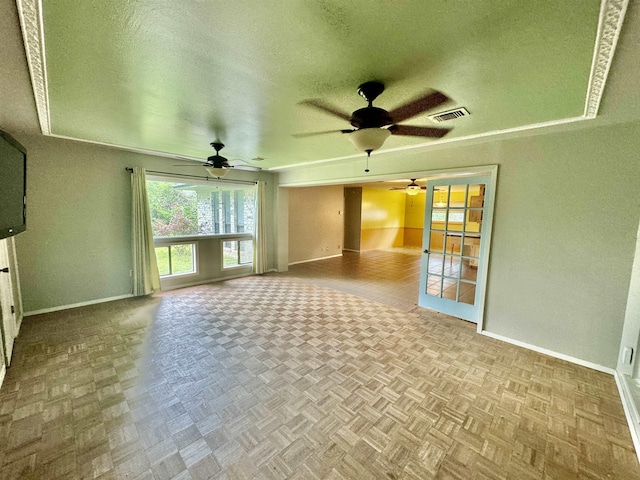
437, 242
454, 239
467, 293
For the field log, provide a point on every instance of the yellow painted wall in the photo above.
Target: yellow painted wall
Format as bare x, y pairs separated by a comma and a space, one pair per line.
382, 224
414, 219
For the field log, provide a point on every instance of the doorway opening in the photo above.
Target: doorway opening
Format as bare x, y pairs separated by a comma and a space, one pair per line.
376, 219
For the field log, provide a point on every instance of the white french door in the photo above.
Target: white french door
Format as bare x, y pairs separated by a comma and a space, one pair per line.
455, 243
10, 300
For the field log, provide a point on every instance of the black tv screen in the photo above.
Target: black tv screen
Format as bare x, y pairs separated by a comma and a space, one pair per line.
13, 186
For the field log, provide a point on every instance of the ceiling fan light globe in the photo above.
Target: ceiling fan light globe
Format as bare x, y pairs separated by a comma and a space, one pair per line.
217, 172
413, 190
368, 139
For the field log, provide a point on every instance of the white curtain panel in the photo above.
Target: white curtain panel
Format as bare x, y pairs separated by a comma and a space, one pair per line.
260, 235
146, 278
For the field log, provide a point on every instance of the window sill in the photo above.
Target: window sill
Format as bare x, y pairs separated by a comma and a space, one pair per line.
178, 275
191, 238
235, 267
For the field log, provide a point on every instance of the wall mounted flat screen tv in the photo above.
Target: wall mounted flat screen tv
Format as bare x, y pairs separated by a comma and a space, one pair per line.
13, 186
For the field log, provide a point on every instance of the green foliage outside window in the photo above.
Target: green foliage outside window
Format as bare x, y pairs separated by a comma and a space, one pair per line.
174, 212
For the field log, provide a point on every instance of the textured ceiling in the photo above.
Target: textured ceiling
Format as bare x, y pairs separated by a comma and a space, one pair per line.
171, 77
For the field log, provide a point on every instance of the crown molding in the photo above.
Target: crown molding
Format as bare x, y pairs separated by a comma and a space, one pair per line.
33, 38
612, 14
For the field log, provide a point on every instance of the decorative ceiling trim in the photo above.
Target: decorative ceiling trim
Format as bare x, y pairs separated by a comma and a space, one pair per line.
30, 12
439, 143
154, 153
609, 26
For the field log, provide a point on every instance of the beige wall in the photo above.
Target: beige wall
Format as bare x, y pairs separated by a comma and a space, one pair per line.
562, 246
316, 223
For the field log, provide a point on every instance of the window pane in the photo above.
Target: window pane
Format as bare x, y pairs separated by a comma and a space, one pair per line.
476, 196
179, 209
434, 285
449, 288
229, 254
437, 242
182, 258
467, 293
173, 208
438, 218
457, 196
246, 252
440, 197
435, 264
162, 256
456, 218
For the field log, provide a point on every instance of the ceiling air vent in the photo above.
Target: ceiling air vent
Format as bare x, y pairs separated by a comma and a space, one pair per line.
449, 115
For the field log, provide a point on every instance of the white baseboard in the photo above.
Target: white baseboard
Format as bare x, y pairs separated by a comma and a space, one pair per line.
75, 305
3, 371
551, 353
630, 410
315, 259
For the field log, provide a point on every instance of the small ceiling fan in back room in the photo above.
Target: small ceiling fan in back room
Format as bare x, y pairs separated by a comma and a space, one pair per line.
218, 166
412, 189
373, 125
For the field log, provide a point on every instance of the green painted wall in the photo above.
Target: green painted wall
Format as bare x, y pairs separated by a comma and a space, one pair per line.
77, 244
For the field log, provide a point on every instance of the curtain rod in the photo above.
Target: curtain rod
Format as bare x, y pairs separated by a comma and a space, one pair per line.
216, 179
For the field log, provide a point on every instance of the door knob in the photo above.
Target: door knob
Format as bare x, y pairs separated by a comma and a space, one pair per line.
5, 269
427, 251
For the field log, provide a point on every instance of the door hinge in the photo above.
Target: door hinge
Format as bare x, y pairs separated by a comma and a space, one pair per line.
13, 309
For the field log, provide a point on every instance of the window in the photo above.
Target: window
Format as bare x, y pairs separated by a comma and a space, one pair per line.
237, 253
181, 211
186, 209
176, 259
454, 216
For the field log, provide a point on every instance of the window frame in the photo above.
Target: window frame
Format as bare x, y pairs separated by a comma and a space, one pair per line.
161, 242
235, 238
239, 186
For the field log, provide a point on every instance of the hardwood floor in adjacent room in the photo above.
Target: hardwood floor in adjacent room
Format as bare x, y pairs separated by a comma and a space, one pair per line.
274, 377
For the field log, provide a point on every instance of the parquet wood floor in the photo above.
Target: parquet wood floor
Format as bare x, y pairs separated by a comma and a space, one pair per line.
272, 377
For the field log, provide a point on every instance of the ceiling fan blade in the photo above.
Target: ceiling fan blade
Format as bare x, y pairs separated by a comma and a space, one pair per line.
313, 134
199, 165
325, 107
417, 106
412, 131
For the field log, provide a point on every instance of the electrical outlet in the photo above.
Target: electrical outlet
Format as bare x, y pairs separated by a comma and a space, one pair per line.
627, 355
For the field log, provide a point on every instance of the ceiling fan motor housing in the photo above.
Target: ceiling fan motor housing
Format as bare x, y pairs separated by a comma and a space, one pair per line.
370, 117
217, 161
